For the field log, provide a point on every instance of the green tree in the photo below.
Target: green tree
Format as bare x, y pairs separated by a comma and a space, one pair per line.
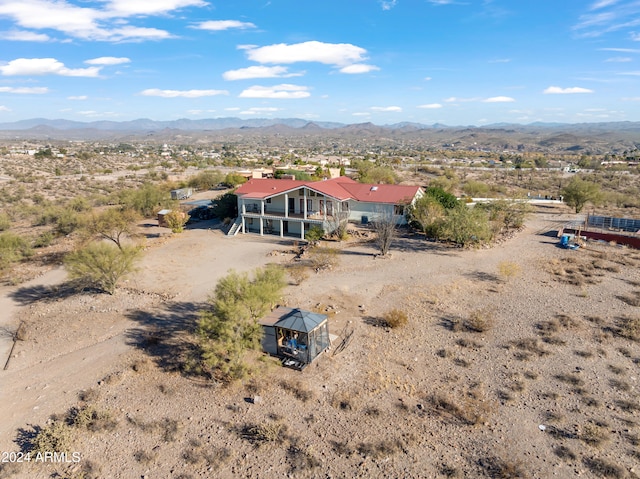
176, 220
101, 265
229, 329
579, 192
465, 225
113, 224
225, 206
206, 180
428, 213
146, 200
234, 179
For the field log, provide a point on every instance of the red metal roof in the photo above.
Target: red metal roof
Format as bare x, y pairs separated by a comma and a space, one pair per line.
341, 188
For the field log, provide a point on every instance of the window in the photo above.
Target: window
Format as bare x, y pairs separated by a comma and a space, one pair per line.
398, 209
268, 200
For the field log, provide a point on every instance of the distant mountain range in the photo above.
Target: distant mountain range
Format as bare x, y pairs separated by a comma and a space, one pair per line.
596, 138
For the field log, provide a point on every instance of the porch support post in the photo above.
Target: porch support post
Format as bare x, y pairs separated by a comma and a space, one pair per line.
262, 207
286, 205
324, 209
305, 204
261, 226
244, 208
243, 230
302, 229
281, 229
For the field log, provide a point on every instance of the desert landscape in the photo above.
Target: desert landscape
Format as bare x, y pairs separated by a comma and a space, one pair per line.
518, 360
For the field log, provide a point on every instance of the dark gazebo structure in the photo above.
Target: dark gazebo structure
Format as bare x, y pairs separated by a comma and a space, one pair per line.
295, 335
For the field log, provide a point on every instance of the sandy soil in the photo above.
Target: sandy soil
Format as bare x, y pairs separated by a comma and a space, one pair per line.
548, 388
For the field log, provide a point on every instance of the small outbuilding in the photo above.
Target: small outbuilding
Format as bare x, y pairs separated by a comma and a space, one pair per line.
296, 336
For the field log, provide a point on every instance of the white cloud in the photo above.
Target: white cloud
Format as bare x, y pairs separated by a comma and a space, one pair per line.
622, 50
4, 108
427, 78
501, 60
618, 60
106, 24
219, 25
24, 90
45, 66
265, 109
556, 90
499, 99
24, 36
431, 106
607, 16
388, 4
258, 72
182, 93
454, 99
284, 91
108, 61
232, 109
632, 73
361, 113
387, 108
602, 4
358, 68
338, 54
79, 97
125, 8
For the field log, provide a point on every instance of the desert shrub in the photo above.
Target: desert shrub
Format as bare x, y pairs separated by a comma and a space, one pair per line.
508, 269
604, 468
395, 318
301, 459
298, 390
480, 320
67, 221
259, 434
79, 204
5, 221
43, 240
323, 257
380, 449
629, 327
145, 457
56, 436
176, 220
499, 468
314, 233
298, 273
465, 225
92, 419
101, 265
112, 224
13, 248
145, 200
234, 179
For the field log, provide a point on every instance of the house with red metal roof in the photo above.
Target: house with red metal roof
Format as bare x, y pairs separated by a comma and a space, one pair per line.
291, 207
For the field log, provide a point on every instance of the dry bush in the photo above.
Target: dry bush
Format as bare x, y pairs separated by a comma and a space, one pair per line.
260, 434
323, 257
380, 449
92, 419
298, 273
480, 320
56, 436
395, 318
498, 468
563, 452
508, 269
529, 346
302, 459
594, 434
628, 406
632, 299
166, 427
344, 401
298, 389
629, 327
571, 379
603, 468
145, 457
473, 409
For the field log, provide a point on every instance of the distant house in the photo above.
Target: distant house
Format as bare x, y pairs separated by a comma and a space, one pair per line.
288, 207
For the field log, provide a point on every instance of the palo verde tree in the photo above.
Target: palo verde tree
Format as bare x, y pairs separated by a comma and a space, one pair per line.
579, 192
113, 224
230, 329
101, 265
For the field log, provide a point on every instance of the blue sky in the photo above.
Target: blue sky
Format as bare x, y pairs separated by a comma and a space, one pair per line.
457, 62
